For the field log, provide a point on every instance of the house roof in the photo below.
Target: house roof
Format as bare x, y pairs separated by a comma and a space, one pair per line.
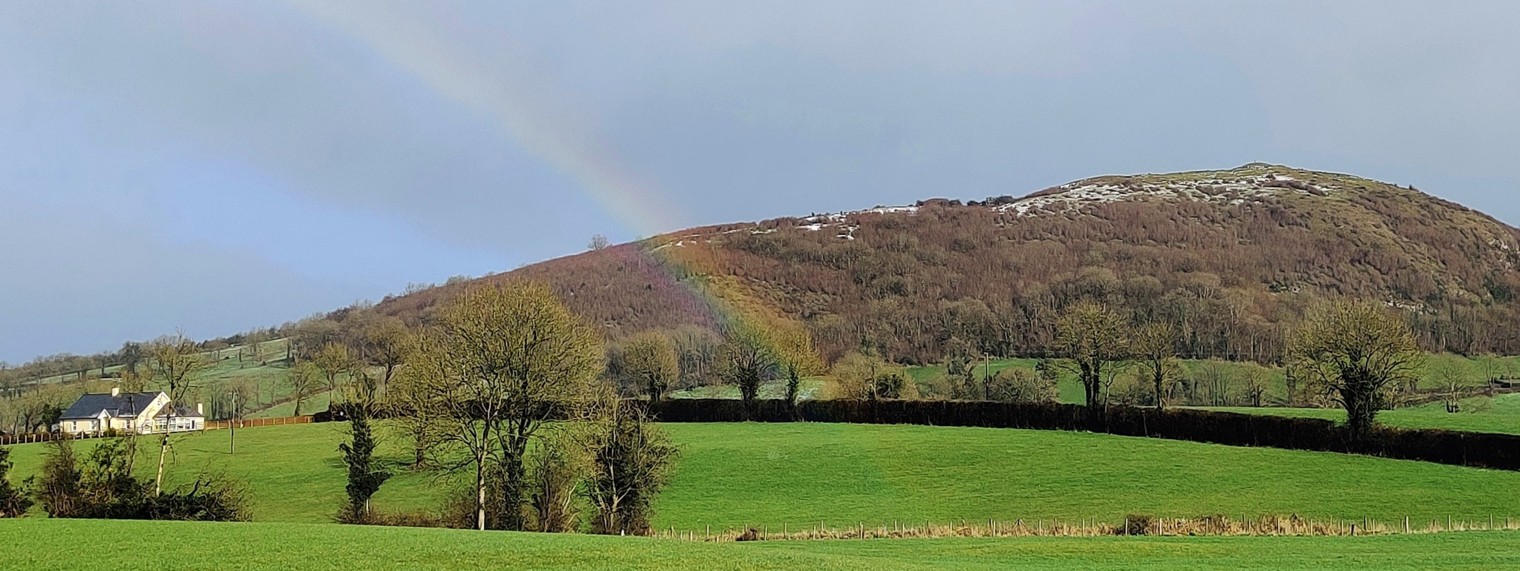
124, 404
180, 411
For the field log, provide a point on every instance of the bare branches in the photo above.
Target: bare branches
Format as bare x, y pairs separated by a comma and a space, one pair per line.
1356, 351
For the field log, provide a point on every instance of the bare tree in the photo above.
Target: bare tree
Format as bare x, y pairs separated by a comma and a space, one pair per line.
500, 362
1156, 350
174, 364
1095, 343
651, 358
795, 356
1356, 351
631, 460
1455, 386
385, 343
302, 378
334, 360
748, 358
598, 242
1255, 385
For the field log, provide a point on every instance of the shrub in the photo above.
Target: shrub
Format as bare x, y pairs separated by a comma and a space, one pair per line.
105, 488
1139, 524
13, 501
59, 489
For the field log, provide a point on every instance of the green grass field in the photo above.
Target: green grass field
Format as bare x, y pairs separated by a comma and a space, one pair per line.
39, 544
1500, 414
734, 475
1474, 370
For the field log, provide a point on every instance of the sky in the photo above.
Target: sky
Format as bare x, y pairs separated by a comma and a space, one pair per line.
211, 167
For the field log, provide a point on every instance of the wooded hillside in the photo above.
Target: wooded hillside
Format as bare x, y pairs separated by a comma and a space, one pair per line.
1232, 257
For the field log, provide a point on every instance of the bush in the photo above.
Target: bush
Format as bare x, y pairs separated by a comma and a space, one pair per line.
1139, 524
59, 489
13, 501
105, 488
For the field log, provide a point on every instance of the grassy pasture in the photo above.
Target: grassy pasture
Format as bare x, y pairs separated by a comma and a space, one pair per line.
1500, 414
40, 544
801, 475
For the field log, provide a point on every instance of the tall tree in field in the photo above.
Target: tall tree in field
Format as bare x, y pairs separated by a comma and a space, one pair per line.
651, 358
385, 342
1155, 347
795, 356
1356, 351
748, 358
1095, 342
334, 360
364, 475
302, 378
499, 363
131, 356
174, 362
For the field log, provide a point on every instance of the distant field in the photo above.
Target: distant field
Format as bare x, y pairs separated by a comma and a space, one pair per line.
808, 389
744, 474
41, 544
1475, 370
1500, 414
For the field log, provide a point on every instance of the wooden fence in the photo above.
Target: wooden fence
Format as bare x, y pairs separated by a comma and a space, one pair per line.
257, 422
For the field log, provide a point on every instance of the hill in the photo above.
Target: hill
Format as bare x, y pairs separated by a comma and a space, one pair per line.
1232, 257
76, 544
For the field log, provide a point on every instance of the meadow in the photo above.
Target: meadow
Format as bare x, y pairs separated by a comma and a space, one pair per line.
838, 476
40, 544
1499, 414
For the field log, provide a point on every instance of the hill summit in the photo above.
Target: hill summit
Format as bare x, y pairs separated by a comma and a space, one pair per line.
1233, 257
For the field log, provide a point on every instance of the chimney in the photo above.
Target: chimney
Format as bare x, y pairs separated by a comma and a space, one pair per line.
115, 391
200, 409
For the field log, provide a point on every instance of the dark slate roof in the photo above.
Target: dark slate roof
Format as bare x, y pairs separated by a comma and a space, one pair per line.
125, 404
180, 411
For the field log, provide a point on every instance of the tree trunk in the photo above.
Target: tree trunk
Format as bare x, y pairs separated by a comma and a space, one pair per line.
1160, 379
480, 491
163, 452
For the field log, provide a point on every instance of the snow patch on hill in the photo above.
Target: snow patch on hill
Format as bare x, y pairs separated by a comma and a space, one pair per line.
1233, 191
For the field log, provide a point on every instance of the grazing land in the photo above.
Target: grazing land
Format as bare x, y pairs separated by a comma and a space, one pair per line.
839, 475
1500, 414
63, 544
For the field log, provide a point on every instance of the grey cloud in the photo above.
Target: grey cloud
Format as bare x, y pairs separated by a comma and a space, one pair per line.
461, 132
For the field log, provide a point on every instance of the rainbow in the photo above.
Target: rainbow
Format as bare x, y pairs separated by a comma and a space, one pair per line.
523, 106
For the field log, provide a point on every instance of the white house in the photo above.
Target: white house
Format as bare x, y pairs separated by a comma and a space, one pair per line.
144, 413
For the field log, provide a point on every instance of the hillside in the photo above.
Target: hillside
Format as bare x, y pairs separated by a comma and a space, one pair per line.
1230, 256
